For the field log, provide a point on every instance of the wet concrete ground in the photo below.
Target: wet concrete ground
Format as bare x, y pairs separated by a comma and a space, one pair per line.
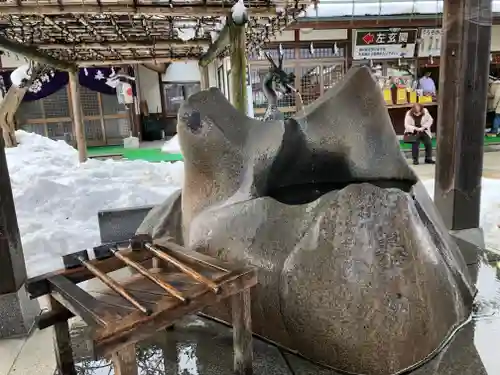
198, 346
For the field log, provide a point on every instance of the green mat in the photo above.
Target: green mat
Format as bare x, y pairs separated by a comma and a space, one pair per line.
487, 141
155, 154
147, 154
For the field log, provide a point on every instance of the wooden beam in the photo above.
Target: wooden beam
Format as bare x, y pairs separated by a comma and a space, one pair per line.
33, 54
217, 47
125, 361
463, 87
158, 68
152, 60
78, 123
369, 22
125, 45
242, 333
238, 67
119, 9
62, 341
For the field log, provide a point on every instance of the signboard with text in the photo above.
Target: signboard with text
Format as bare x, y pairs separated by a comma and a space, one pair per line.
430, 42
384, 44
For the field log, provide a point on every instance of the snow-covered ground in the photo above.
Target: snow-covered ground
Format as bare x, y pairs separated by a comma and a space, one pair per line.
57, 199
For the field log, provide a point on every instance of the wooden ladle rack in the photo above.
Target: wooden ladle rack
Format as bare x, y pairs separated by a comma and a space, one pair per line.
124, 312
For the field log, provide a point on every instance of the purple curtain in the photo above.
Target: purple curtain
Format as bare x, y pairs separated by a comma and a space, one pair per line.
94, 79
43, 86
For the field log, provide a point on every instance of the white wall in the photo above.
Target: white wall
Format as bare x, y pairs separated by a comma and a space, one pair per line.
495, 38
212, 74
150, 89
187, 71
333, 34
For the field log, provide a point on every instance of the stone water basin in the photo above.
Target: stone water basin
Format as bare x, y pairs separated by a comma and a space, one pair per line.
198, 346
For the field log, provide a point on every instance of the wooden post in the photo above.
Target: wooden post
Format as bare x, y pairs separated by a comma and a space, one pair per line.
242, 333
137, 112
62, 342
79, 125
125, 362
238, 66
18, 313
204, 78
10, 104
12, 266
463, 85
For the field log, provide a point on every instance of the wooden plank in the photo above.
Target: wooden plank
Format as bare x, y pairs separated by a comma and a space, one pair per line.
193, 257
242, 333
126, 45
216, 48
62, 341
137, 286
79, 302
124, 361
39, 286
33, 54
124, 9
52, 317
137, 327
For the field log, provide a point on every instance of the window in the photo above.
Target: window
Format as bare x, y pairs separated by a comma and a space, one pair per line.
106, 121
288, 54
322, 50
220, 79
176, 93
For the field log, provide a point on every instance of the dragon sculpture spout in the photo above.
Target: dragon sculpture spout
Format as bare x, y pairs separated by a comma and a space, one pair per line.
276, 81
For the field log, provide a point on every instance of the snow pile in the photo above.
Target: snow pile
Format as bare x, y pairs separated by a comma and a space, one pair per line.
172, 146
57, 199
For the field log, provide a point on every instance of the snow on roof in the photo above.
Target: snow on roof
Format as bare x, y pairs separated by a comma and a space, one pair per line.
367, 8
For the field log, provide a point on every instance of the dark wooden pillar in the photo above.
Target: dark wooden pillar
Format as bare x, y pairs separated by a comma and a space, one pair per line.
463, 83
12, 266
17, 312
238, 66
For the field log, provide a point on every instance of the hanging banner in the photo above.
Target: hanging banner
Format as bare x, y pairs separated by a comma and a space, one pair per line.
384, 44
430, 43
98, 79
45, 85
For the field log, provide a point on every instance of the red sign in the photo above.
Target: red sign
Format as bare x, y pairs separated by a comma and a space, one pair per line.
369, 38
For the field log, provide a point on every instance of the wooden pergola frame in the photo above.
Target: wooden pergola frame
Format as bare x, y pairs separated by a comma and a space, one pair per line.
68, 34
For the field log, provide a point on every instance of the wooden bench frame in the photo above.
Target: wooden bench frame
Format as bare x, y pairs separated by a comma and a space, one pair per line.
68, 300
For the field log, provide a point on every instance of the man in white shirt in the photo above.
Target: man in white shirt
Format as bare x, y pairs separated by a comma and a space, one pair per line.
427, 85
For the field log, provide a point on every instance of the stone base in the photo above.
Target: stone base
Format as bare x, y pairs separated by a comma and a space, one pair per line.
17, 314
471, 243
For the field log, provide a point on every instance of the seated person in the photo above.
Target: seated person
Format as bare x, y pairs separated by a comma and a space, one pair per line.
418, 122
